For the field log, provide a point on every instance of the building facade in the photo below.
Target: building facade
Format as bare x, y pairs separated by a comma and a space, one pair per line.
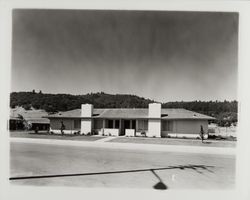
152, 122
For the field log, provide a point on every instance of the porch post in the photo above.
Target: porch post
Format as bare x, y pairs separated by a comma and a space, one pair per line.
136, 126
103, 123
120, 126
103, 126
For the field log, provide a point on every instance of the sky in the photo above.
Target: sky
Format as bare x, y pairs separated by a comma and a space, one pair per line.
161, 55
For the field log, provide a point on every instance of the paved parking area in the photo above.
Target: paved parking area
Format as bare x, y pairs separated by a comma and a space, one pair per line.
118, 168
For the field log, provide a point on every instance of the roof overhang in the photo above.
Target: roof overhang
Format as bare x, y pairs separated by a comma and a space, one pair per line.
145, 118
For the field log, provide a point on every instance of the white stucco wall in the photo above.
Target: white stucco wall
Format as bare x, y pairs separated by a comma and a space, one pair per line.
86, 126
111, 132
130, 132
154, 128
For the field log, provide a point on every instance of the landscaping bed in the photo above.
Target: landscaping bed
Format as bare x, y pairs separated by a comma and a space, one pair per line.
45, 135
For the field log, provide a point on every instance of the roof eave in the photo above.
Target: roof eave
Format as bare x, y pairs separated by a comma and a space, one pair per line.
162, 118
186, 118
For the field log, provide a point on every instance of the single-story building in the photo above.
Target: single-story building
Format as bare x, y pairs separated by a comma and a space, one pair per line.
15, 123
38, 124
21, 119
152, 122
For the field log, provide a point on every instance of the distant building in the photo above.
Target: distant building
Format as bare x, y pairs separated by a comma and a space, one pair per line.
38, 124
21, 119
15, 123
152, 122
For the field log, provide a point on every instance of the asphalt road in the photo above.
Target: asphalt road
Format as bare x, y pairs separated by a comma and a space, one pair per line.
54, 165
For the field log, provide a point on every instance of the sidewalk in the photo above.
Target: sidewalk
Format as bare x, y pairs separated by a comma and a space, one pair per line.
130, 146
106, 139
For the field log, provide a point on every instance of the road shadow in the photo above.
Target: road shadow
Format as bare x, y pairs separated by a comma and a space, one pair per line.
159, 186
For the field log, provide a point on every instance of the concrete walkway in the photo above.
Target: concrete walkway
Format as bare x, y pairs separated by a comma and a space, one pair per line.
130, 146
106, 139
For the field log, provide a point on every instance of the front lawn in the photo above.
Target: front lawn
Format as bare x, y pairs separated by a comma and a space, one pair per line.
175, 141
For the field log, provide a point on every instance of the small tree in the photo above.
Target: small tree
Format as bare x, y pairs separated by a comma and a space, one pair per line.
202, 134
62, 127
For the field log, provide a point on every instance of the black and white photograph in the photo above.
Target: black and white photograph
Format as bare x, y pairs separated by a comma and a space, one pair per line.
124, 99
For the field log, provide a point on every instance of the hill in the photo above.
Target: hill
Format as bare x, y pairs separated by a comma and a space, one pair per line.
224, 111
64, 102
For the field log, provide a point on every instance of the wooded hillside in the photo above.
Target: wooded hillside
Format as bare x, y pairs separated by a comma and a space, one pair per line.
64, 102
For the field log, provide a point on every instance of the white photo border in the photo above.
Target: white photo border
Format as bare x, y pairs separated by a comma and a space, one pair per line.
243, 149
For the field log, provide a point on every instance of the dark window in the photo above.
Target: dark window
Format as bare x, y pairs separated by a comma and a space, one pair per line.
167, 125
77, 124
117, 123
143, 125
98, 124
110, 123
126, 124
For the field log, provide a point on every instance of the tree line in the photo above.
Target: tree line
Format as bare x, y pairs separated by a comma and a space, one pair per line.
224, 111
64, 102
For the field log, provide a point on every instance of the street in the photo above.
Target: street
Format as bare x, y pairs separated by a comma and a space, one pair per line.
57, 165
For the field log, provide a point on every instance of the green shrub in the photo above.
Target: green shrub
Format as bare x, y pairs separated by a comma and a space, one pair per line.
88, 134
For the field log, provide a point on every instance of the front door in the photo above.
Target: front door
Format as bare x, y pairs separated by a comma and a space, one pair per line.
126, 124
129, 124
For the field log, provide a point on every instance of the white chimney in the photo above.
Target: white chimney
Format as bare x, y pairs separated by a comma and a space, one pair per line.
87, 110
154, 110
86, 121
154, 121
